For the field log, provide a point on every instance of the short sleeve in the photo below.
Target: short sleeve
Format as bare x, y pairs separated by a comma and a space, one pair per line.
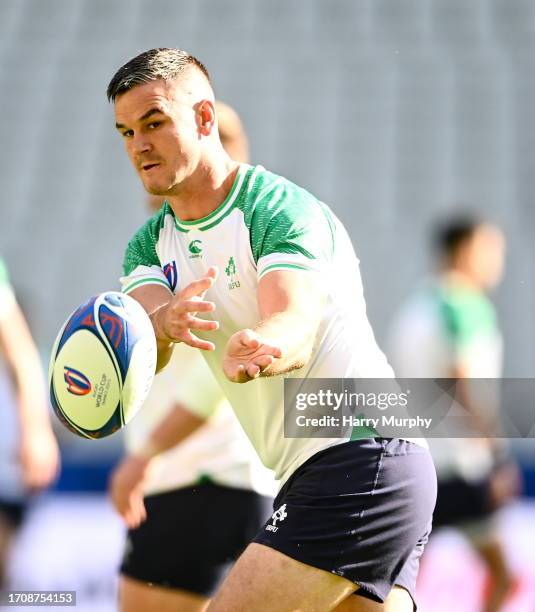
291, 230
468, 317
141, 265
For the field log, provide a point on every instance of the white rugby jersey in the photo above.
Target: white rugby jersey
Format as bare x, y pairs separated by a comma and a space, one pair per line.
265, 223
439, 328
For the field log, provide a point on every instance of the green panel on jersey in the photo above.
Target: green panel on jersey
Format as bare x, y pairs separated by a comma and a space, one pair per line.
284, 218
467, 314
362, 432
205, 479
4, 276
141, 250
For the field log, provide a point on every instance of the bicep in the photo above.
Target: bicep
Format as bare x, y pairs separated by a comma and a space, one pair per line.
295, 292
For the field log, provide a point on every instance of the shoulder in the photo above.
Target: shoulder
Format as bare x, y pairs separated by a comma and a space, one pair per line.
266, 193
141, 250
279, 212
467, 313
149, 232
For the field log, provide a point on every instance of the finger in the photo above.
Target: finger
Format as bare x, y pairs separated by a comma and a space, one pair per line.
213, 272
134, 512
253, 371
193, 306
271, 350
142, 513
241, 374
130, 520
203, 324
195, 342
249, 339
197, 287
263, 361
120, 506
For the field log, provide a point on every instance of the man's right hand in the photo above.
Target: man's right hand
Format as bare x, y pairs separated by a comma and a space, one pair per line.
126, 489
174, 321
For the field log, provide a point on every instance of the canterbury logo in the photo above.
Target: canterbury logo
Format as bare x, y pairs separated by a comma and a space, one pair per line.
77, 383
195, 247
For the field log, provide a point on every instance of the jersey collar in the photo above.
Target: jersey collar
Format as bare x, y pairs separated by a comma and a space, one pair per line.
221, 211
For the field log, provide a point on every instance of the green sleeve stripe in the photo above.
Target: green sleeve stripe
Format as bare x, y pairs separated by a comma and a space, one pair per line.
146, 281
282, 266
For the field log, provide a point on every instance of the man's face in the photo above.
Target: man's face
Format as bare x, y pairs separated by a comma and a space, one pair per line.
488, 255
159, 129
484, 256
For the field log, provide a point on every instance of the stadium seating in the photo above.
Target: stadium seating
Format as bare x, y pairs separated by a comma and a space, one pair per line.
389, 111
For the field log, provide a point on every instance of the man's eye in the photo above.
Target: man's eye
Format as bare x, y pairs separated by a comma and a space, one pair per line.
153, 125
128, 134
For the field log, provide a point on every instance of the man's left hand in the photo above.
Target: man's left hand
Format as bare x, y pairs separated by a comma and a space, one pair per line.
248, 355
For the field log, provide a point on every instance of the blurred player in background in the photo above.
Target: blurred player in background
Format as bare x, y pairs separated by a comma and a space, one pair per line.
449, 329
194, 508
289, 297
29, 455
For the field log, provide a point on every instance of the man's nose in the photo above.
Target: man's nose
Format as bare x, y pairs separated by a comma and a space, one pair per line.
141, 144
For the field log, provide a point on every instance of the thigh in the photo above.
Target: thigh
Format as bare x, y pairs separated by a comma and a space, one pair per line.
360, 510
265, 580
398, 600
135, 596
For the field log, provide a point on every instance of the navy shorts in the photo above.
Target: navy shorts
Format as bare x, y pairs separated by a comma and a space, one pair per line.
361, 510
193, 535
13, 512
460, 501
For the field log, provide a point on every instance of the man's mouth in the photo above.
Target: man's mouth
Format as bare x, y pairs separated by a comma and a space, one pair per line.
149, 166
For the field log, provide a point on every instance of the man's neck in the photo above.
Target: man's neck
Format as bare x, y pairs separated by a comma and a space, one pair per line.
457, 277
205, 190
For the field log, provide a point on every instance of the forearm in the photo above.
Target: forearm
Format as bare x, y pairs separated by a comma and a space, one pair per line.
173, 429
23, 360
164, 347
482, 418
294, 333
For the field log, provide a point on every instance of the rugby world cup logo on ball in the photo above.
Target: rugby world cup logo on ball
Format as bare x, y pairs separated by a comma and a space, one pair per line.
77, 383
102, 365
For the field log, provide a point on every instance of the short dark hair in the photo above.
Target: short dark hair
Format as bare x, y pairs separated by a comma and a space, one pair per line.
451, 233
152, 65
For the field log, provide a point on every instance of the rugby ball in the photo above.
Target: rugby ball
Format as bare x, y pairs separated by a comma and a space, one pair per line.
102, 365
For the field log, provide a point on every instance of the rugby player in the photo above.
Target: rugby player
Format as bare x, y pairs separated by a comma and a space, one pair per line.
189, 469
276, 293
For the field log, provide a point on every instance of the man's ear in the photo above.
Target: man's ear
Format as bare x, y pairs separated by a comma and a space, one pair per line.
206, 117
